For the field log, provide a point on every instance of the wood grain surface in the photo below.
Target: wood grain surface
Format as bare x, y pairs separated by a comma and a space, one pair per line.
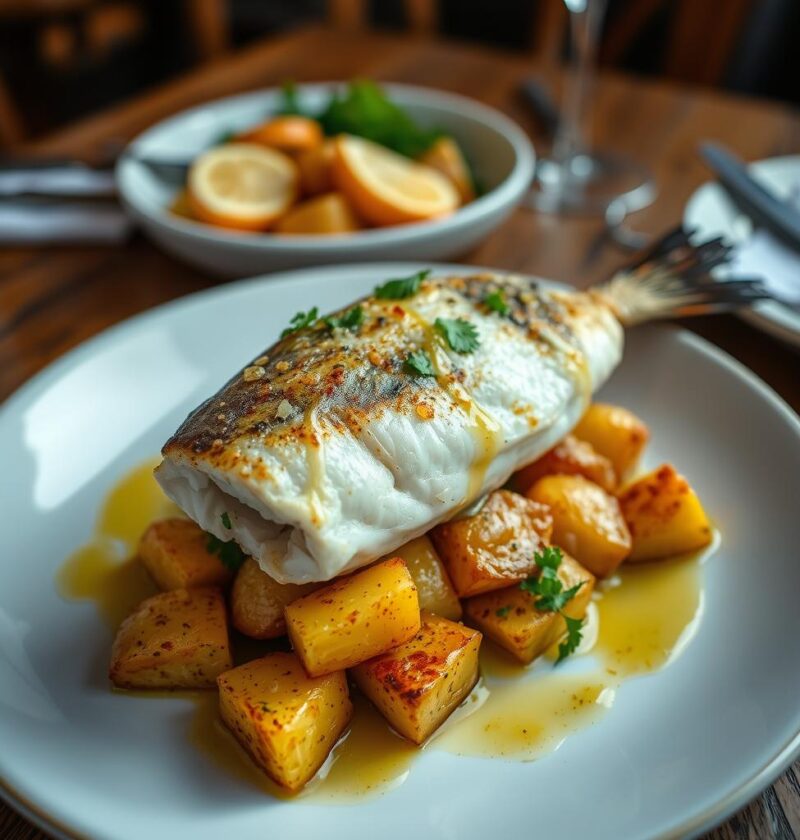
52, 299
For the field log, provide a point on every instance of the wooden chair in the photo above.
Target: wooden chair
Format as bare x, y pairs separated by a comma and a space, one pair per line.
68, 32
701, 37
422, 19
700, 40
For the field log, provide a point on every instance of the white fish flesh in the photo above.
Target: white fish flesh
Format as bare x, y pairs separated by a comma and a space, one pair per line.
329, 450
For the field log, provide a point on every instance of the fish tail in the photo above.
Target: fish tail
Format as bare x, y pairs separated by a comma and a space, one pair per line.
673, 278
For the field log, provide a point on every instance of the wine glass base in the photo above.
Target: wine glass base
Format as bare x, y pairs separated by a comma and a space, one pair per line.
589, 183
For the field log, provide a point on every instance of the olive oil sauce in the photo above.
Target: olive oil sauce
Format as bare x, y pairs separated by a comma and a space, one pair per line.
637, 622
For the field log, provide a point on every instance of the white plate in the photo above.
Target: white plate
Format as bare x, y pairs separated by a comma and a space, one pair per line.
678, 750
712, 213
499, 150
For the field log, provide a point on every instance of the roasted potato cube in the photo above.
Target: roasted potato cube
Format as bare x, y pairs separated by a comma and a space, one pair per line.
286, 720
664, 515
315, 167
587, 521
324, 214
176, 639
436, 593
569, 457
174, 553
418, 684
354, 618
495, 547
446, 156
616, 433
509, 616
257, 601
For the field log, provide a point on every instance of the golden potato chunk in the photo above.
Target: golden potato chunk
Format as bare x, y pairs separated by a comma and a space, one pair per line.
664, 515
174, 553
510, 618
418, 684
286, 720
354, 618
436, 593
176, 639
257, 601
616, 433
495, 547
587, 521
569, 457
324, 214
445, 155
315, 166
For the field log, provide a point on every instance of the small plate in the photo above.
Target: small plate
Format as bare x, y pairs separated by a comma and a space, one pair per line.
499, 150
712, 213
679, 749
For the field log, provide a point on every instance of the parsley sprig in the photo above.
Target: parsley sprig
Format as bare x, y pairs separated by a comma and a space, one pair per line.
460, 335
301, 320
364, 109
230, 555
419, 363
351, 320
552, 597
496, 302
401, 287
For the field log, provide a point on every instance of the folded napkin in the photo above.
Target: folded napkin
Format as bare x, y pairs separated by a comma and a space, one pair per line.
58, 222
48, 202
68, 178
764, 255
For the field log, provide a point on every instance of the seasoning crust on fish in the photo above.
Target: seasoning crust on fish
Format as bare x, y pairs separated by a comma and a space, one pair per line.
358, 432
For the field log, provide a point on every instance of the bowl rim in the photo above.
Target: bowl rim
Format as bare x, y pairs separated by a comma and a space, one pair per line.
508, 192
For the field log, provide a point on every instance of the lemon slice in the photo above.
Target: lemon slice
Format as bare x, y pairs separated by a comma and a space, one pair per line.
387, 188
242, 186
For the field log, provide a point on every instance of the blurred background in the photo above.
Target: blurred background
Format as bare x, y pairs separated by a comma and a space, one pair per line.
63, 59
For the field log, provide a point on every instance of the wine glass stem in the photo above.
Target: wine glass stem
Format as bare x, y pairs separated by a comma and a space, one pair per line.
585, 18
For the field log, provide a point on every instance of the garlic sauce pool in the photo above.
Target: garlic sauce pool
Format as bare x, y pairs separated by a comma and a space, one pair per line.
643, 617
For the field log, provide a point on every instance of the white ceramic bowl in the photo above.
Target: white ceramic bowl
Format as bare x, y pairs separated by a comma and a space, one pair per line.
499, 150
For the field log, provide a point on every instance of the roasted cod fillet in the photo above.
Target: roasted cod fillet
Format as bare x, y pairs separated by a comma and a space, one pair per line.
338, 444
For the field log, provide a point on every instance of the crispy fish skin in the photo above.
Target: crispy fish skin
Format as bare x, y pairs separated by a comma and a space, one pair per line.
327, 451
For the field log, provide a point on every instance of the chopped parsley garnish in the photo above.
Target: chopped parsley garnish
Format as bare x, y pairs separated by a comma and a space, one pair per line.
300, 321
420, 363
496, 301
351, 320
503, 611
226, 520
230, 555
574, 636
459, 334
401, 287
552, 597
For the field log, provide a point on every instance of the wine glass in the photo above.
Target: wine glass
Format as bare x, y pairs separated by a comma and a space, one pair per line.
576, 178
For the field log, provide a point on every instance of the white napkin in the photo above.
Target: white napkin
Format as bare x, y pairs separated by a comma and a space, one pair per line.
55, 222
764, 255
69, 179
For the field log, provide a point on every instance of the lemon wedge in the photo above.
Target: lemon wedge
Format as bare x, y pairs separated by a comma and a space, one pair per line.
386, 188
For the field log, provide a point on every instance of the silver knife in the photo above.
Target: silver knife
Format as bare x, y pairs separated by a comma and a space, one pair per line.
766, 210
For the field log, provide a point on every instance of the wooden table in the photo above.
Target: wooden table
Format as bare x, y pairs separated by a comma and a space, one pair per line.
50, 300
